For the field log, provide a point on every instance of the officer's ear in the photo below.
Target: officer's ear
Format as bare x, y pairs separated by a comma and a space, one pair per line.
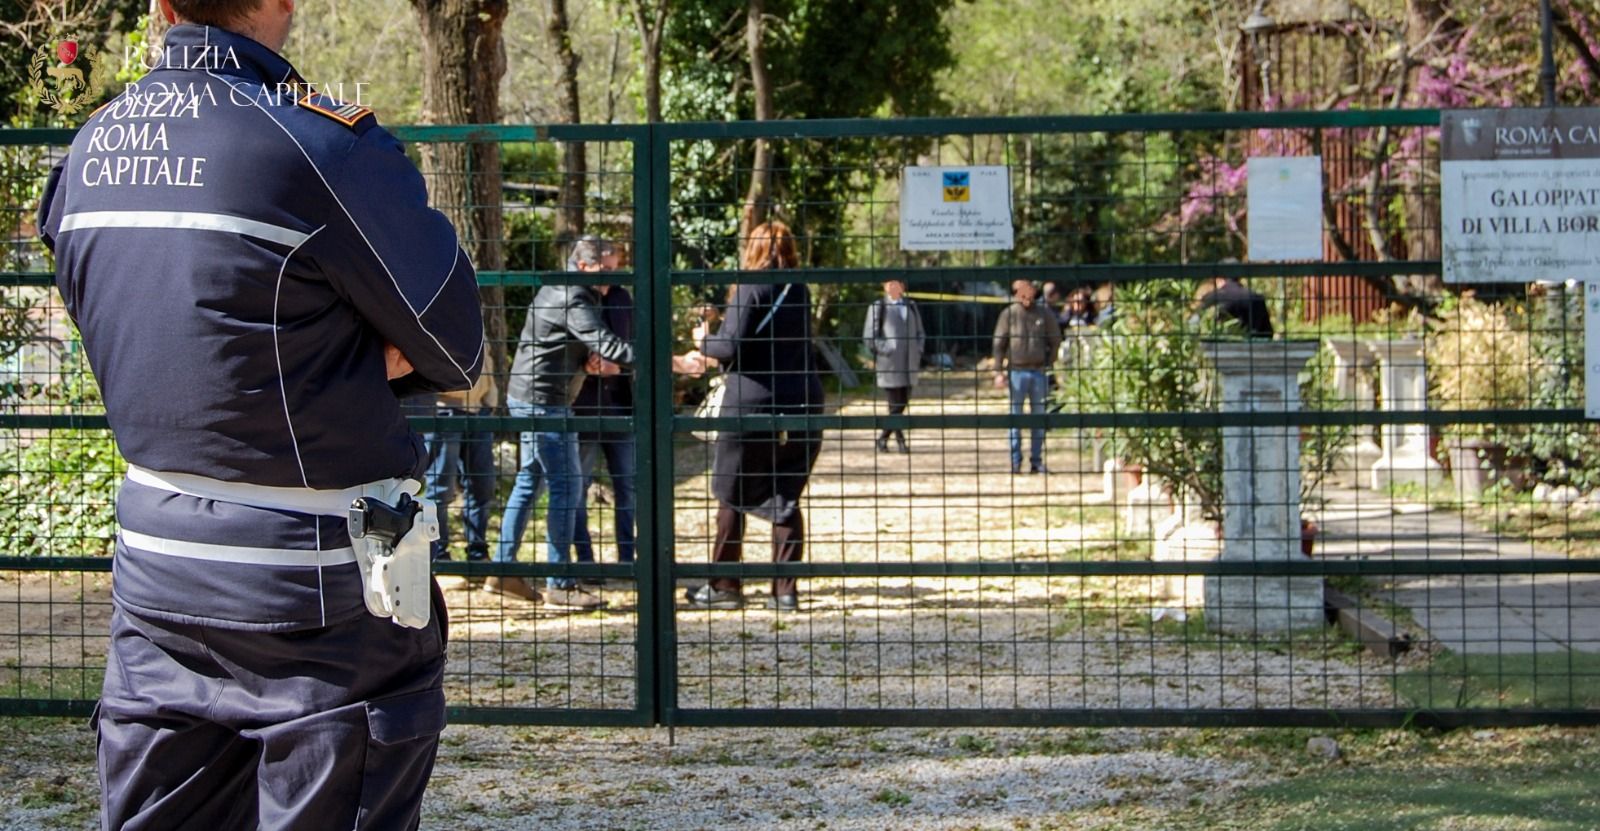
167, 12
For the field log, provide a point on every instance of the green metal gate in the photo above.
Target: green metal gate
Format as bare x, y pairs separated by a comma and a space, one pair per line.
940, 588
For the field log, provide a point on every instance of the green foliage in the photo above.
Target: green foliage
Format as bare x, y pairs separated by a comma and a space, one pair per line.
59, 493
1561, 453
1094, 57
1479, 358
1151, 359
823, 67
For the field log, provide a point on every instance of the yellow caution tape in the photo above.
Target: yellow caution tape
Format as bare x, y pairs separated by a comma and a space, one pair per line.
957, 298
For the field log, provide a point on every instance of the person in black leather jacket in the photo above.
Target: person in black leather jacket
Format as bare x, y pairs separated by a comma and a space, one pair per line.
563, 340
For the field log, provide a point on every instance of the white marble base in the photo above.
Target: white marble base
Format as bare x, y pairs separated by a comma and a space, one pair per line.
1408, 468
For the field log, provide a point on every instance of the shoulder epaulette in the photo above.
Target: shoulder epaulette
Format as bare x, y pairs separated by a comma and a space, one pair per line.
347, 114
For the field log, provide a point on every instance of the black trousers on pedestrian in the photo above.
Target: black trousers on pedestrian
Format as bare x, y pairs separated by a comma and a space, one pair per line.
898, 398
788, 543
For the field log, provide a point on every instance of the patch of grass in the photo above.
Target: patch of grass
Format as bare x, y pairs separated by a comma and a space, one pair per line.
969, 743
821, 740
1549, 679
1548, 794
892, 798
1572, 531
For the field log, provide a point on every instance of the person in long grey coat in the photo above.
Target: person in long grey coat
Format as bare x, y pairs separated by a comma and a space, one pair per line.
895, 335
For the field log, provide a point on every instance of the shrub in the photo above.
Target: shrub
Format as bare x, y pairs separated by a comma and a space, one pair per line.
1479, 358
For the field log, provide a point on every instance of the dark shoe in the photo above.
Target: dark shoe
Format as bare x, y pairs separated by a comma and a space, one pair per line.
900, 442
575, 598
707, 597
1039, 468
883, 444
784, 602
513, 587
1016, 469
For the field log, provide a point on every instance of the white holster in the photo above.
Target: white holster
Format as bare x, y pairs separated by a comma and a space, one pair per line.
398, 582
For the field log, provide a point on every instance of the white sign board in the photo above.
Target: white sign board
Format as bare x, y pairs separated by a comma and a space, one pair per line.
1591, 349
1520, 195
955, 208
1284, 204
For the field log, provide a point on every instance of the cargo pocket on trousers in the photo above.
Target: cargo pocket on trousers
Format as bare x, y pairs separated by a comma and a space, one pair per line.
402, 737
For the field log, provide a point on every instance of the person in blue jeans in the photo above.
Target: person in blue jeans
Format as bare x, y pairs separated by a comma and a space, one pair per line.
463, 460
563, 341
1025, 342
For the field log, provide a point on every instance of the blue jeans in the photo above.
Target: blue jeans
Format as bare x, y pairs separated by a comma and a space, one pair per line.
465, 459
549, 459
622, 467
1029, 385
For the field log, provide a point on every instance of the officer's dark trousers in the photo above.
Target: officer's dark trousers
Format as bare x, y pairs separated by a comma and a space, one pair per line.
218, 729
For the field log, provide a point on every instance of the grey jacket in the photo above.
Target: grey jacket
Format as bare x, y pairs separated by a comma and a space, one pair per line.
563, 327
1026, 337
896, 342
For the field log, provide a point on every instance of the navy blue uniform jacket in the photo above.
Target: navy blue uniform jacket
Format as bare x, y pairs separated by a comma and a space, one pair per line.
236, 261
236, 253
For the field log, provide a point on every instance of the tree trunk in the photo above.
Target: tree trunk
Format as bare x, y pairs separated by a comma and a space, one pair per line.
758, 199
463, 60
651, 22
570, 219
1429, 25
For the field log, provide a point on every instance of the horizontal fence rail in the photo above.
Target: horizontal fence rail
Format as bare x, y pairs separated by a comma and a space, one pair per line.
1386, 513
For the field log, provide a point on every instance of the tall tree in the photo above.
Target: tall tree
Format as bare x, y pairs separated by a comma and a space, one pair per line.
464, 59
575, 167
650, 19
758, 196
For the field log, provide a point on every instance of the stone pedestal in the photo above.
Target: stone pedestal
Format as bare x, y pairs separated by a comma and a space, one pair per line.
1261, 491
1403, 385
1353, 365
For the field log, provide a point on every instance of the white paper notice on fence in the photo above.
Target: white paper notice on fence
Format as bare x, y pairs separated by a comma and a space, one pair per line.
1591, 349
1519, 194
1284, 200
955, 208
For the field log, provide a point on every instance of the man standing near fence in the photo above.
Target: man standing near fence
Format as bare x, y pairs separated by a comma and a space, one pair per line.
563, 341
258, 279
1025, 342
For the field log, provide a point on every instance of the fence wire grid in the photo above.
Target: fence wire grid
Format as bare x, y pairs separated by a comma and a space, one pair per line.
1323, 492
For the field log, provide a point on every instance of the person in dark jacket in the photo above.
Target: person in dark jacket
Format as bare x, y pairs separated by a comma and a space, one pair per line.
764, 344
608, 395
1229, 304
1026, 339
258, 279
563, 340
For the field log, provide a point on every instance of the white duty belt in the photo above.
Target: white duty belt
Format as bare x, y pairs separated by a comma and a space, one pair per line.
403, 571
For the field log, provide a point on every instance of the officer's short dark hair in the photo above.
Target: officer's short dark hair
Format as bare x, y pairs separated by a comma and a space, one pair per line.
589, 250
215, 12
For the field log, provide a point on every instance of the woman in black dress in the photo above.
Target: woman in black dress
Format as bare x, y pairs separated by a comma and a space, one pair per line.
764, 343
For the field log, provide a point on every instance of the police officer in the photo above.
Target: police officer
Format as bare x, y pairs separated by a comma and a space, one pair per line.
257, 279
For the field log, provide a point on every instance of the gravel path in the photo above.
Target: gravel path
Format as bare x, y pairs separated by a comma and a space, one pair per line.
491, 778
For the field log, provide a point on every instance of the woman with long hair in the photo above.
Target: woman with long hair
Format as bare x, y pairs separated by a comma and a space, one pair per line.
764, 344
